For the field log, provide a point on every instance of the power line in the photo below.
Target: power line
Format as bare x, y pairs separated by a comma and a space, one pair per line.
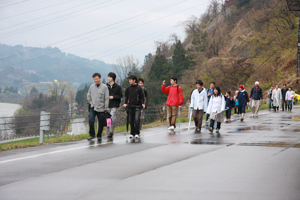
38, 18
36, 10
12, 4
5, 35
118, 32
100, 28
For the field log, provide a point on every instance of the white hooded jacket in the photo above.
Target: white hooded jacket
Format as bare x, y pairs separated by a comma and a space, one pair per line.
199, 100
216, 104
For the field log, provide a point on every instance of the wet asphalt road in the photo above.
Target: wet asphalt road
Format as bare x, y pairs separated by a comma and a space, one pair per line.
255, 159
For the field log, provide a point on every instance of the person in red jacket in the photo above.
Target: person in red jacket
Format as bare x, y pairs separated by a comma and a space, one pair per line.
175, 100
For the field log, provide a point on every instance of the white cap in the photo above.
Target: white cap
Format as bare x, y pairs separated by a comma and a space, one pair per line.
256, 83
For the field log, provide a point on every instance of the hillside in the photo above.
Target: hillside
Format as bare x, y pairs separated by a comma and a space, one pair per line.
247, 41
45, 64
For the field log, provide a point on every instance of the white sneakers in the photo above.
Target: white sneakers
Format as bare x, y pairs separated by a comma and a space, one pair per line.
136, 137
171, 128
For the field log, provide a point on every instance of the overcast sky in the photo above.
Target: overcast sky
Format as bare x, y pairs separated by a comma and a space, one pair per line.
116, 27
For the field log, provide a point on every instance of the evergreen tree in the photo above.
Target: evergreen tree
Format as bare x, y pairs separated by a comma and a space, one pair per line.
81, 96
180, 60
155, 72
6, 90
34, 91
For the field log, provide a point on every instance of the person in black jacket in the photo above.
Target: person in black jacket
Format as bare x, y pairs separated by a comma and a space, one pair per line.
283, 93
230, 103
115, 95
134, 101
141, 83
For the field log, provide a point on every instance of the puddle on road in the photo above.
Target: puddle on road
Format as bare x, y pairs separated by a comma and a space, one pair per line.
271, 144
259, 128
291, 117
208, 141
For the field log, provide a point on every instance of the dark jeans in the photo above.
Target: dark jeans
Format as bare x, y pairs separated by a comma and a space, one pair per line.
92, 116
228, 113
236, 109
134, 120
284, 105
290, 104
206, 117
212, 124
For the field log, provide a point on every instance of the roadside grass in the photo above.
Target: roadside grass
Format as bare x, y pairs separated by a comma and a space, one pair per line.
32, 142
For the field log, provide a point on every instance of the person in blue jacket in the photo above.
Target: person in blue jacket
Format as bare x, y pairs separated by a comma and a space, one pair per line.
210, 93
243, 99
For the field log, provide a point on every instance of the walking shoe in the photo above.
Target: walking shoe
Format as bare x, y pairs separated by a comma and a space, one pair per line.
242, 119
130, 136
171, 128
211, 130
110, 135
218, 132
198, 130
99, 139
90, 138
137, 136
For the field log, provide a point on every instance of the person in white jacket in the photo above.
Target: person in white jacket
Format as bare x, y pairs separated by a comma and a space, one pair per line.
216, 108
289, 98
198, 104
276, 97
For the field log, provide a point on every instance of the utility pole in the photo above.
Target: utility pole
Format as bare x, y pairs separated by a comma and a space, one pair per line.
294, 6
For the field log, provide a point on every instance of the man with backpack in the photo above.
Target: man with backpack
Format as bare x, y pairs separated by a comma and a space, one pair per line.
115, 96
174, 101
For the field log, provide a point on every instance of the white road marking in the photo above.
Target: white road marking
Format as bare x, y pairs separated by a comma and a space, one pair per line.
60, 151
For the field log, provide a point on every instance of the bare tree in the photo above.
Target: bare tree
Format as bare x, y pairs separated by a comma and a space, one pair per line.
125, 65
58, 89
192, 25
71, 99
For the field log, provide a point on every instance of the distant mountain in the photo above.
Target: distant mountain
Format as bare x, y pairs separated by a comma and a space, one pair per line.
33, 65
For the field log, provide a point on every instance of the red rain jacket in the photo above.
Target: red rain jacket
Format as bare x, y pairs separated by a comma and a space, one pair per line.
175, 97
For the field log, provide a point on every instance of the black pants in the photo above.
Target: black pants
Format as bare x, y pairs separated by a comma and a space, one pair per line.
92, 116
284, 105
276, 108
290, 104
212, 124
134, 120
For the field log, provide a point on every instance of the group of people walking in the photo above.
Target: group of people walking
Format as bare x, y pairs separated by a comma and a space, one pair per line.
105, 99
280, 98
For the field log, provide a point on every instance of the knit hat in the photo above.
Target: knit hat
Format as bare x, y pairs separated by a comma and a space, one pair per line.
256, 83
242, 86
